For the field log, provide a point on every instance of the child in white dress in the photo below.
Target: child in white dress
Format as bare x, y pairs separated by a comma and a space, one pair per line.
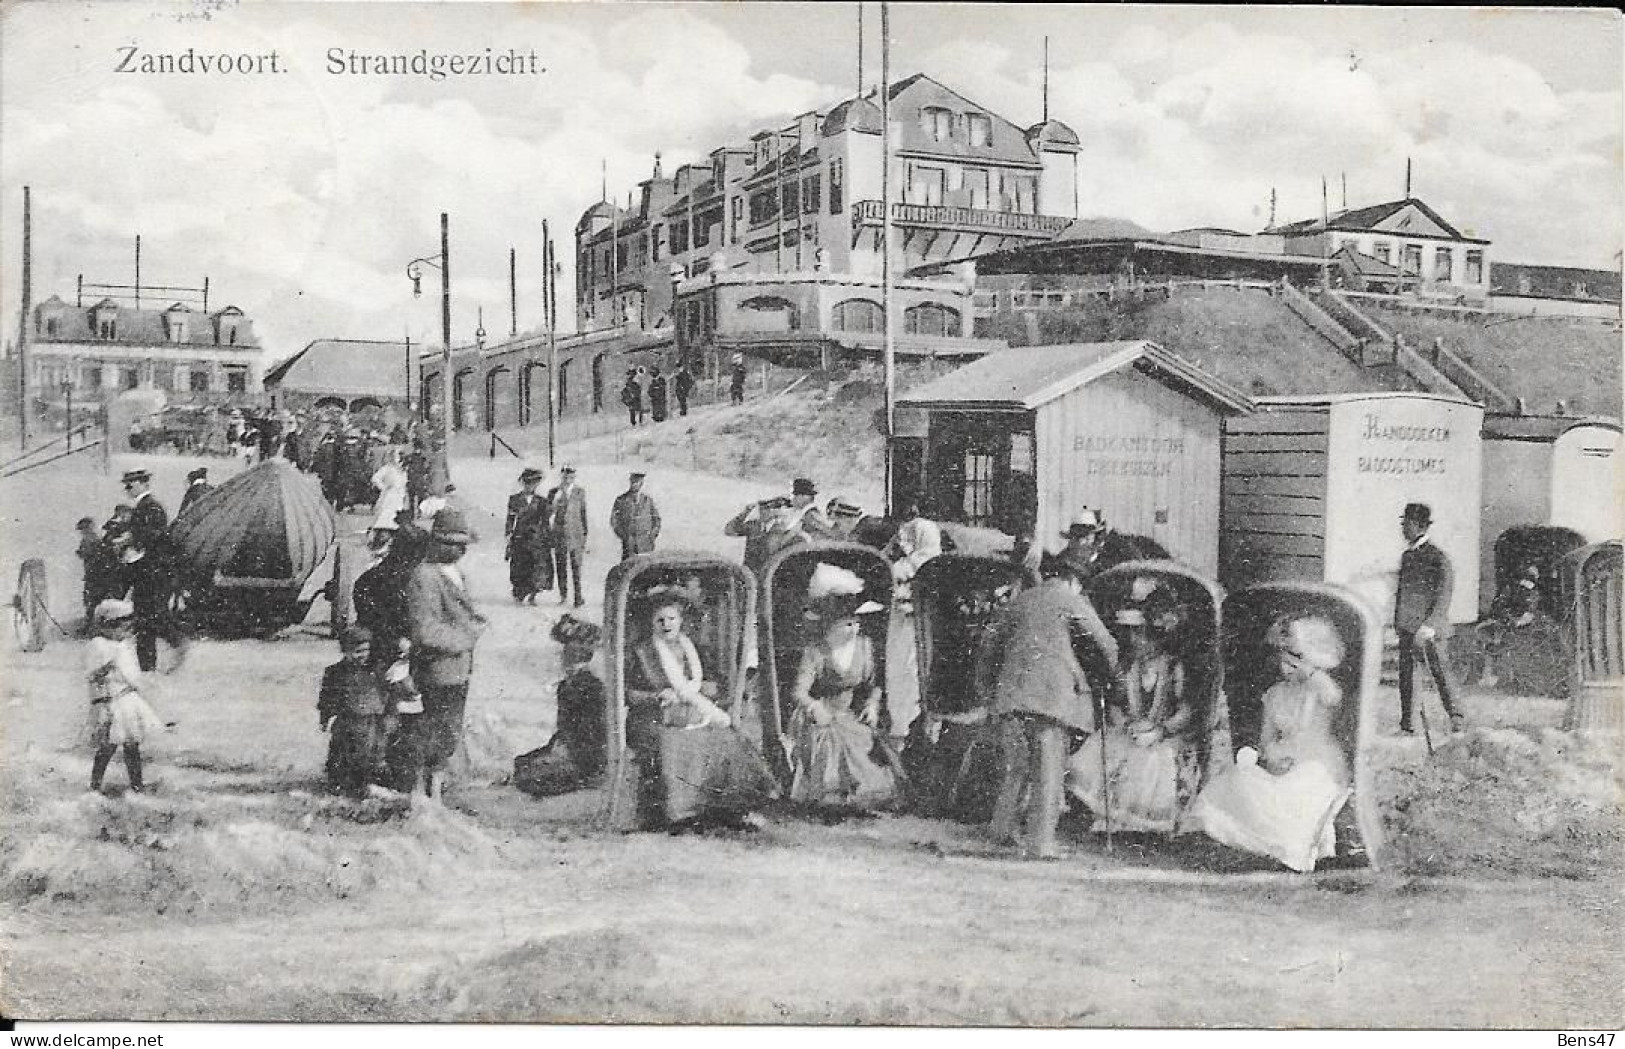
119, 717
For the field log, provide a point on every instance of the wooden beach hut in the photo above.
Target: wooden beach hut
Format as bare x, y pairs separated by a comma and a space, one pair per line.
1025, 437
1313, 490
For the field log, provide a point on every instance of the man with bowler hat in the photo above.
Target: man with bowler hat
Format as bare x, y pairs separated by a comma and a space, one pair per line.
1422, 614
635, 518
1030, 667
569, 520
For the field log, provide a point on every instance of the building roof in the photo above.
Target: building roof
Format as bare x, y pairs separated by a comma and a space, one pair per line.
1504, 427
1316, 400
136, 327
1558, 282
1029, 377
1053, 131
1369, 218
1009, 145
855, 114
1103, 228
347, 367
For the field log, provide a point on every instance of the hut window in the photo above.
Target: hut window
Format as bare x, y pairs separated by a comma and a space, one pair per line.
1383, 250
858, 315
978, 488
937, 122
930, 318
1475, 268
1413, 259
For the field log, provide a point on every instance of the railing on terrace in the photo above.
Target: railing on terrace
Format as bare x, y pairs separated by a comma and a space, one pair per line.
868, 212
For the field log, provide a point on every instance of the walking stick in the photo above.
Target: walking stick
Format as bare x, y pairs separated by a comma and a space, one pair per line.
1105, 779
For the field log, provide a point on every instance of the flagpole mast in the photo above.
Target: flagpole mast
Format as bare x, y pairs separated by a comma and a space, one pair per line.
890, 358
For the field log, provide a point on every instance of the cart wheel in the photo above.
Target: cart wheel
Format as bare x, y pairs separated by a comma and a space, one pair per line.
29, 616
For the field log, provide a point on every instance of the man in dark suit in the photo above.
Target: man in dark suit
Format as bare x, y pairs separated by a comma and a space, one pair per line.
1422, 614
635, 518
150, 570
197, 486
569, 512
530, 567
1030, 667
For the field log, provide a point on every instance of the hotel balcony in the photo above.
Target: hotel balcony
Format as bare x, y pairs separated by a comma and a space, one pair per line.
962, 220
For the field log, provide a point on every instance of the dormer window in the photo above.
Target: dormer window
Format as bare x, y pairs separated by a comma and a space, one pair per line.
979, 127
107, 328
50, 327
937, 122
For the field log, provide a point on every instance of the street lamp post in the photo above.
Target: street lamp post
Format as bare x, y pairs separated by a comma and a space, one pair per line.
67, 391
414, 270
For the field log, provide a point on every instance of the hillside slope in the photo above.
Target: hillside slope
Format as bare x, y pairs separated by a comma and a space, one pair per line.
1245, 336
1542, 360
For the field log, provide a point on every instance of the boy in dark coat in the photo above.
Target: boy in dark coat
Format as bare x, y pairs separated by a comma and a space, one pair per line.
351, 707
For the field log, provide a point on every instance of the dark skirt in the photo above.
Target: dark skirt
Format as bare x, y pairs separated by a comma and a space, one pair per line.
692, 773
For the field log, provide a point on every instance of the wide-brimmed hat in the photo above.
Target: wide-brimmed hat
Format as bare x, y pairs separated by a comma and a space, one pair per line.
1086, 523
580, 632
113, 610
450, 526
529, 474
660, 596
1312, 639
135, 475
834, 592
201, 473
803, 486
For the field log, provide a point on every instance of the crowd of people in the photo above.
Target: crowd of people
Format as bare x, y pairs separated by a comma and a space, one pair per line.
1068, 708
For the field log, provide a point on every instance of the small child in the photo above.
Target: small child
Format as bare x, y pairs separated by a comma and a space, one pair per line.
352, 703
95, 562
119, 717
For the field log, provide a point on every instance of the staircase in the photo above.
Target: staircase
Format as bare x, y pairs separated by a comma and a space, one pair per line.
1323, 323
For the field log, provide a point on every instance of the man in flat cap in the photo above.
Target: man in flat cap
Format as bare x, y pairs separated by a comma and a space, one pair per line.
197, 486
149, 567
1422, 614
635, 518
569, 519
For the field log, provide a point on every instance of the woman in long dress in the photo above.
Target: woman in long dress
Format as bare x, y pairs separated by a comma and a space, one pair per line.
837, 696
1280, 800
390, 480
1149, 769
692, 764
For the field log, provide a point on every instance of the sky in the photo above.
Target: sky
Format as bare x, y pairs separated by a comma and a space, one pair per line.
302, 194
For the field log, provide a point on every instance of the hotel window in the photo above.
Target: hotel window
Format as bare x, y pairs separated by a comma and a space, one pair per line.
657, 245
810, 196
937, 122
564, 384
129, 378
679, 237
763, 207
1441, 264
198, 381
858, 315
236, 380
702, 230
1413, 260
976, 183
1026, 195
737, 214
930, 318
1475, 268
93, 378
926, 185
791, 198
979, 126
836, 186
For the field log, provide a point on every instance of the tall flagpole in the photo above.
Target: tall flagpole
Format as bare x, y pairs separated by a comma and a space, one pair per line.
890, 359
550, 295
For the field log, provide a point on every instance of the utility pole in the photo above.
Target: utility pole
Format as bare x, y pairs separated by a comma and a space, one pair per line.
138, 271
778, 188
445, 334
409, 376
550, 309
890, 352
513, 295
22, 319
